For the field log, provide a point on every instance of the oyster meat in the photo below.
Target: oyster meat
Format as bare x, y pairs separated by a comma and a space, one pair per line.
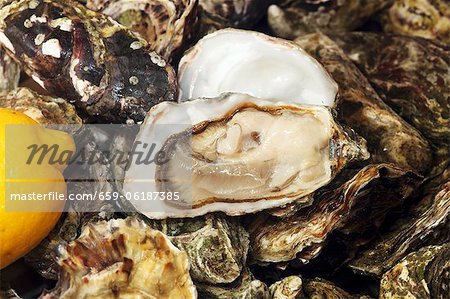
292, 18
238, 154
86, 58
389, 137
424, 18
167, 25
9, 73
249, 62
423, 274
372, 192
43, 109
122, 258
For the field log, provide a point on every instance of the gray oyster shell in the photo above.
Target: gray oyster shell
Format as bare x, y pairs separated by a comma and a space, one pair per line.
87, 58
358, 205
167, 25
245, 287
9, 73
290, 287
292, 18
43, 109
217, 246
389, 137
427, 222
424, 18
320, 288
422, 274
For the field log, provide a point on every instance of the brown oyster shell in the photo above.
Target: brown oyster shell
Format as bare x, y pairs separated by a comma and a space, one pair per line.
321, 288
292, 18
122, 258
425, 18
43, 109
9, 73
427, 222
290, 287
87, 58
358, 205
422, 274
389, 137
167, 25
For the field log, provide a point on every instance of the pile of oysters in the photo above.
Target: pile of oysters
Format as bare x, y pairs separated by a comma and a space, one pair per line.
308, 140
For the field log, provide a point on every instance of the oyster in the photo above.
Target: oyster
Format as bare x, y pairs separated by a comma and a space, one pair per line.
287, 288
238, 154
216, 246
43, 109
372, 192
122, 258
320, 288
246, 287
167, 25
9, 73
86, 58
428, 222
424, 18
389, 137
292, 18
422, 274
249, 62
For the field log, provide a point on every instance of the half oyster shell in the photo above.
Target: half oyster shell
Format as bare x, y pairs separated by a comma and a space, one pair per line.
166, 25
122, 258
389, 137
250, 62
238, 154
86, 58
9, 73
372, 192
422, 274
292, 18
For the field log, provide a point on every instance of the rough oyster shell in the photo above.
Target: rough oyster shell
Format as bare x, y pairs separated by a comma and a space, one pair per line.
290, 287
424, 18
167, 25
320, 288
122, 258
9, 73
216, 246
250, 62
422, 274
293, 18
372, 192
428, 222
389, 137
86, 58
235, 154
43, 109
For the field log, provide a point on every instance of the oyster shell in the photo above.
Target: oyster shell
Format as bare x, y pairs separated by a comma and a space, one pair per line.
246, 287
9, 73
238, 154
86, 58
372, 192
122, 258
321, 288
292, 18
422, 274
287, 288
389, 137
424, 18
249, 62
167, 25
216, 246
43, 109
428, 222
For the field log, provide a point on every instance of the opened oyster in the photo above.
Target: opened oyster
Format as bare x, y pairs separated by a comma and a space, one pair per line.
165, 24
238, 154
249, 62
424, 18
389, 137
122, 258
86, 58
422, 274
9, 73
372, 192
293, 18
